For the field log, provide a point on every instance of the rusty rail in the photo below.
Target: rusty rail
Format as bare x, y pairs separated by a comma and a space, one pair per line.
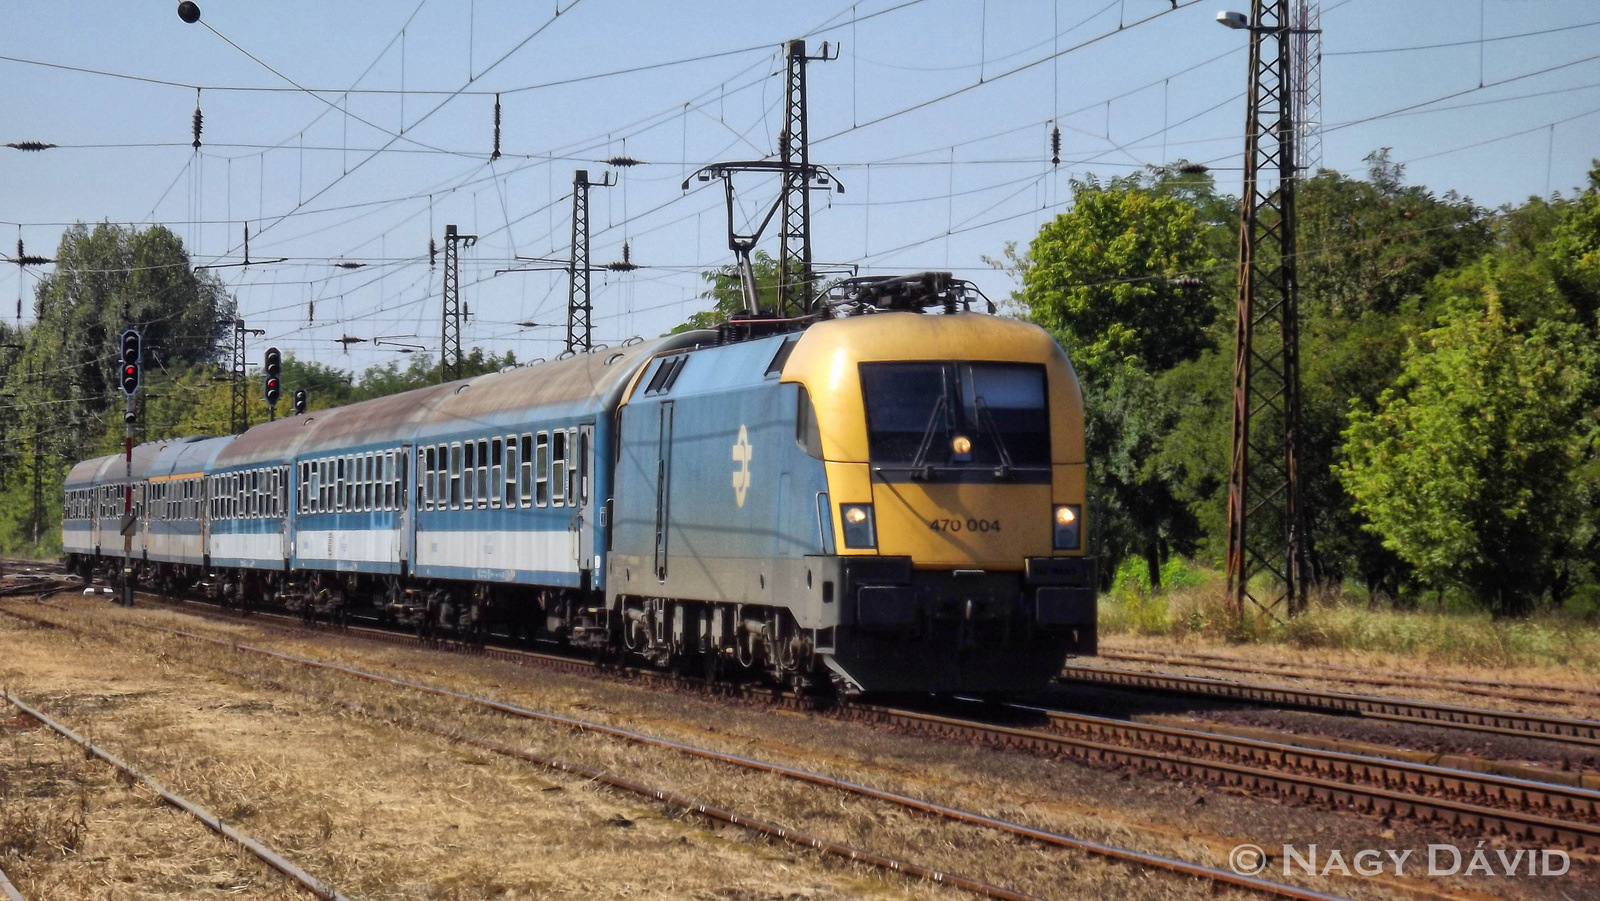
209, 820
1458, 684
1186, 868
1475, 719
916, 804
7, 890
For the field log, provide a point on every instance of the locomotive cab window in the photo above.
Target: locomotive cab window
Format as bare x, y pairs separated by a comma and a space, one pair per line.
807, 433
946, 418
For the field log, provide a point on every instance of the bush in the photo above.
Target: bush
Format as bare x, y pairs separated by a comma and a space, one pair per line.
1197, 608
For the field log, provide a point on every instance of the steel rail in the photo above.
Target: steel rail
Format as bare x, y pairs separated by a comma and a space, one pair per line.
917, 804
7, 890
208, 819
1042, 836
1515, 796
1441, 683
1476, 719
672, 799
1380, 796
1510, 791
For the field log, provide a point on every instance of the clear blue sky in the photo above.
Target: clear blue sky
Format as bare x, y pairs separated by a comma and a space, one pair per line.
935, 116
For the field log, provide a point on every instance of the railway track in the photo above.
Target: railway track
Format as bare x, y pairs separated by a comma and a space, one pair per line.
206, 818
1482, 802
1348, 674
1015, 830
1498, 722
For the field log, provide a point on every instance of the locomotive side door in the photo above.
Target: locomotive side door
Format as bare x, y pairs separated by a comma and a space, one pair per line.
663, 489
582, 522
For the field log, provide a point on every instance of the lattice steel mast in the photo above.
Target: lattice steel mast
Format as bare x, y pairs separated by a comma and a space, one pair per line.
1266, 522
579, 300
796, 281
450, 330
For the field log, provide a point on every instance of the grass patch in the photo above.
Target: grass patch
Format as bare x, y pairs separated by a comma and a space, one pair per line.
1194, 605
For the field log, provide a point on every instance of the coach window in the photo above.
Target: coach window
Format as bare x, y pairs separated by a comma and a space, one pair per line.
388, 480
525, 480
496, 471
469, 474
441, 499
455, 475
339, 473
558, 468
374, 493
429, 470
541, 470
572, 467
483, 473
510, 487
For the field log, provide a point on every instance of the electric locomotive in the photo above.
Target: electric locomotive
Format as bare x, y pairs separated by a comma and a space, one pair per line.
890, 502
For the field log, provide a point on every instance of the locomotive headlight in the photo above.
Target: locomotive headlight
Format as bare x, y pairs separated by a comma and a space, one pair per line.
1068, 520
962, 447
859, 530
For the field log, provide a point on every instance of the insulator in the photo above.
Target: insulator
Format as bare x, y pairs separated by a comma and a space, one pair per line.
627, 253
349, 264
433, 253
30, 145
311, 312
623, 162
466, 311
199, 123
496, 155
1055, 145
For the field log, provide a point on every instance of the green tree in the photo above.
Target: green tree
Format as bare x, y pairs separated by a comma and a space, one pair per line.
1118, 281
725, 290
61, 388
1466, 466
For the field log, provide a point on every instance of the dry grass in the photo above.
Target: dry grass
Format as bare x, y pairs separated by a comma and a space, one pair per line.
1553, 647
386, 812
71, 829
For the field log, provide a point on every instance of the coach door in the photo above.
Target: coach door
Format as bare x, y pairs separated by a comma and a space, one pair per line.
582, 523
280, 500
663, 488
403, 518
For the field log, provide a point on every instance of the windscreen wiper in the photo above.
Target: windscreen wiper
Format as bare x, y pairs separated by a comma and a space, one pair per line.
919, 463
986, 420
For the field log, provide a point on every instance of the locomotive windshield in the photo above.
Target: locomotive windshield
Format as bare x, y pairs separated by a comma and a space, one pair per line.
947, 418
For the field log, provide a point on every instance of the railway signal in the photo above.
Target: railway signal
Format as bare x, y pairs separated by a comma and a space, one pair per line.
299, 401
272, 387
130, 362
